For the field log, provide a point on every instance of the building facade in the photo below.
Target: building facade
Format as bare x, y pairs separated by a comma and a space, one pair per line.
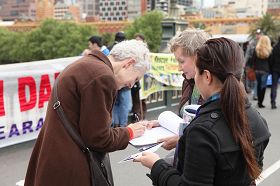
64, 11
273, 7
244, 8
186, 3
17, 9
136, 8
112, 10
89, 9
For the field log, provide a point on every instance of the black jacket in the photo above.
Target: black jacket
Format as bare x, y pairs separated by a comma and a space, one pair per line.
259, 64
275, 58
208, 154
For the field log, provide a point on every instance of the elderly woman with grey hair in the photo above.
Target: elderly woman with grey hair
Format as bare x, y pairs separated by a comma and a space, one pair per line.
87, 90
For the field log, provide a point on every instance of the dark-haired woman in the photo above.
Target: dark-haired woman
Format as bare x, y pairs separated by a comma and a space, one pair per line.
225, 143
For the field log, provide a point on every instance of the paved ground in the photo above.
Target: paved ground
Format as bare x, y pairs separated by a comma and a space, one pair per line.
14, 159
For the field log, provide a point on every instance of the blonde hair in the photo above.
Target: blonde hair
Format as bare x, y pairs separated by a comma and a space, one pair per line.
137, 50
189, 40
263, 48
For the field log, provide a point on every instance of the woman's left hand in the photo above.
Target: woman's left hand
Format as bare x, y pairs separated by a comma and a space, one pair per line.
147, 159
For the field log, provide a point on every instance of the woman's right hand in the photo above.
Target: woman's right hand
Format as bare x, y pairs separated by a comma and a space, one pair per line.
152, 123
169, 142
138, 129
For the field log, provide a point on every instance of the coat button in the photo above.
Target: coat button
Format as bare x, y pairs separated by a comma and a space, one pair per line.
214, 115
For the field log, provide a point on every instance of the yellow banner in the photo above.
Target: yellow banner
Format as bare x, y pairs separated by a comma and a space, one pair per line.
164, 75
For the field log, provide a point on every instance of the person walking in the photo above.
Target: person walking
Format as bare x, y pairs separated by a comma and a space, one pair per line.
86, 90
225, 143
248, 55
275, 71
139, 107
260, 62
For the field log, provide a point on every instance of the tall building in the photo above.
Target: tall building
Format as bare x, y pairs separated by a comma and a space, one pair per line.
17, 9
186, 3
136, 8
158, 4
64, 11
89, 8
244, 8
163, 5
44, 9
112, 10
273, 7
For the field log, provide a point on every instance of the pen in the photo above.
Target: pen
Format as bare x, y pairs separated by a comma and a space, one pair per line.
192, 111
132, 157
136, 117
147, 147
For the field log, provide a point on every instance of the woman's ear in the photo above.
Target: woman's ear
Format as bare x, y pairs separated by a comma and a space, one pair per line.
128, 63
208, 76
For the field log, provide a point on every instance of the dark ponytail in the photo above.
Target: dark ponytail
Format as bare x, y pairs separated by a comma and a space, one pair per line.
224, 59
233, 108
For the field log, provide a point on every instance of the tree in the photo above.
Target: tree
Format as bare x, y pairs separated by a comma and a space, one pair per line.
199, 25
107, 39
10, 43
53, 39
150, 26
56, 39
269, 25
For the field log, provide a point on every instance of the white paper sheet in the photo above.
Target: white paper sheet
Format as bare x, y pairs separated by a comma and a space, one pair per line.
133, 156
170, 124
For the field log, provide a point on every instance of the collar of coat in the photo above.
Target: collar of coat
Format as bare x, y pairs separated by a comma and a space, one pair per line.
212, 106
99, 55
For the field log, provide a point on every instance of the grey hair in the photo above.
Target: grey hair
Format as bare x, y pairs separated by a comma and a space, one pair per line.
137, 50
189, 40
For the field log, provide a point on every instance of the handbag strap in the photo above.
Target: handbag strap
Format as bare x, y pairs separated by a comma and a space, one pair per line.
67, 125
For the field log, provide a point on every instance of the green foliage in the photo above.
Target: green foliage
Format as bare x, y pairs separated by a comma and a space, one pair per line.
150, 26
199, 25
10, 43
107, 39
56, 39
269, 25
53, 39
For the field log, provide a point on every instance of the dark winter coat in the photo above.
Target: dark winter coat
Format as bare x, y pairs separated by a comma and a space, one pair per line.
275, 58
87, 90
208, 154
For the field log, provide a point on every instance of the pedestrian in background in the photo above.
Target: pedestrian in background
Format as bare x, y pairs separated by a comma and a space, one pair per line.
139, 107
95, 43
87, 90
225, 143
248, 55
260, 63
123, 103
275, 71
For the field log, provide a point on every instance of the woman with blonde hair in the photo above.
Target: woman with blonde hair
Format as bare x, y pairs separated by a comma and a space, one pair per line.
260, 62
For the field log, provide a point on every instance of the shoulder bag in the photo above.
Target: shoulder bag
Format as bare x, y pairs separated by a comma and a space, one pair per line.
99, 163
